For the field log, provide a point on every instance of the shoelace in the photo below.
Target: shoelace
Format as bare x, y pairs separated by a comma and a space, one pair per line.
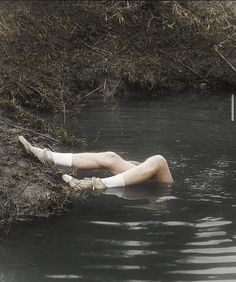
91, 182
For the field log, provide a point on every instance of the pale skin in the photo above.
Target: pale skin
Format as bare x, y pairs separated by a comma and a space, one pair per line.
155, 167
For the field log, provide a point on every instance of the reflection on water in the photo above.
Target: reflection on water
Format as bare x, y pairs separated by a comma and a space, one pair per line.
186, 232
150, 191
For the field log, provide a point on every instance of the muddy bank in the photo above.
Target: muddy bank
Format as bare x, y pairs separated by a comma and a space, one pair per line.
28, 189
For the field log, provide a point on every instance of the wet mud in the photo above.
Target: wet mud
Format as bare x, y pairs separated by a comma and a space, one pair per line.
28, 189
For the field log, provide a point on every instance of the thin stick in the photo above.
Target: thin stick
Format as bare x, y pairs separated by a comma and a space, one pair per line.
96, 49
224, 59
8, 229
100, 87
187, 67
104, 85
23, 189
64, 113
232, 107
113, 92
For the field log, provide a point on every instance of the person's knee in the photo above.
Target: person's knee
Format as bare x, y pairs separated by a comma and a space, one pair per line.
110, 158
157, 162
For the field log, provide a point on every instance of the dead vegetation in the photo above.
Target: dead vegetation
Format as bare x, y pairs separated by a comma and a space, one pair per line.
53, 53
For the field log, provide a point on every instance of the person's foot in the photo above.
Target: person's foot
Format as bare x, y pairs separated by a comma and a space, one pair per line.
42, 154
26, 145
83, 184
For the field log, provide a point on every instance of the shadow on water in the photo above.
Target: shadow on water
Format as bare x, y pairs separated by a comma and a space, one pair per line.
186, 232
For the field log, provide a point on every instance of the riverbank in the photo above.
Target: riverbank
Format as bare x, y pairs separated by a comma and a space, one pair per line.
28, 189
76, 50
57, 55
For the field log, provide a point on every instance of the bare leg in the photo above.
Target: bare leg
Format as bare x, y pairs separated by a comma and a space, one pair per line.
105, 160
155, 168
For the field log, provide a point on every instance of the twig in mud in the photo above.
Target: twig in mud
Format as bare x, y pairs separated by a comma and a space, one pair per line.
187, 67
63, 103
104, 86
224, 59
23, 189
100, 87
96, 49
64, 114
33, 131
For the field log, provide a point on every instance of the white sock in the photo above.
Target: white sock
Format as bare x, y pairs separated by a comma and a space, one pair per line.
64, 159
113, 181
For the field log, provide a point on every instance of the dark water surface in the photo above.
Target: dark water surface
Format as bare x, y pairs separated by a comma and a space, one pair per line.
186, 233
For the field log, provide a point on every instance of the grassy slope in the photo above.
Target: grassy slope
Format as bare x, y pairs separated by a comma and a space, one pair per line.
53, 52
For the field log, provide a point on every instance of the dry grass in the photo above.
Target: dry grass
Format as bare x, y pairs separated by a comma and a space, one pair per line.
55, 52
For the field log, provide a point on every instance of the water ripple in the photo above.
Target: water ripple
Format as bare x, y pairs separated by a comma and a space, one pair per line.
111, 266
208, 271
120, 253
207, 259
209, 242
209, 234
213, 224
210, 250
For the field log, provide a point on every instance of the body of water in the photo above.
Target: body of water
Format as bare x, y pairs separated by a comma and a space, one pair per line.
143, 233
